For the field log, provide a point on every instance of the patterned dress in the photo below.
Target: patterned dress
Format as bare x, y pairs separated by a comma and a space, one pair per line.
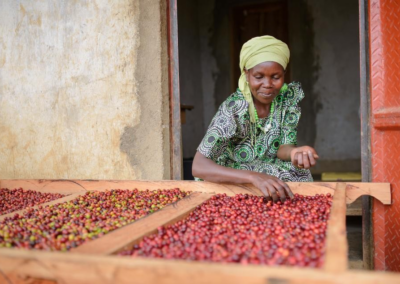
228, 141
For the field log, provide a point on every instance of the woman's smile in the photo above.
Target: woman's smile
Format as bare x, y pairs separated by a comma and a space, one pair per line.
265, 81
265, 95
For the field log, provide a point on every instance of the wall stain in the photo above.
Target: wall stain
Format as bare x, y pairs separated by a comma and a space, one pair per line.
143, 141
22, 16
35, 21
67, 89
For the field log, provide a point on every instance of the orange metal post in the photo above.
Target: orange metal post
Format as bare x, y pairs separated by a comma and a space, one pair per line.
384, 17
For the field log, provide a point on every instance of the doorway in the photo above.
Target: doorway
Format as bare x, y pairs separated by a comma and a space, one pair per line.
323, 37
248, 21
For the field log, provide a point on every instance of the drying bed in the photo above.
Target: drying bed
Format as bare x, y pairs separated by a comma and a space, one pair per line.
99, 260
67, 225
245, 229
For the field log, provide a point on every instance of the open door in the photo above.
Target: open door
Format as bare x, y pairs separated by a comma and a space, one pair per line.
384, 127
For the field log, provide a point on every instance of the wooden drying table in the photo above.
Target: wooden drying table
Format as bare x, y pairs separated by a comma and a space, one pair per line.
96, 261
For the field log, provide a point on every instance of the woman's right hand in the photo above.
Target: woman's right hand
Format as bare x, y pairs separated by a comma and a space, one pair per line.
271, 186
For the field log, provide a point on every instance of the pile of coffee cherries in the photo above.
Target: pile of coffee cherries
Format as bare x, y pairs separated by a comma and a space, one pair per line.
16, 199
246, 229
67, 225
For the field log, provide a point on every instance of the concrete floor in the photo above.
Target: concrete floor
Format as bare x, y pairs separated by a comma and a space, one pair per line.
354, 238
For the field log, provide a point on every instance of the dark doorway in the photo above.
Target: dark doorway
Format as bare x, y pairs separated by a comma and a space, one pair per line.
323, 40
248, 21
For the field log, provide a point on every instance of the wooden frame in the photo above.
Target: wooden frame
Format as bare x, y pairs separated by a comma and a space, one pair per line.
365, 107
174, 91
96, 262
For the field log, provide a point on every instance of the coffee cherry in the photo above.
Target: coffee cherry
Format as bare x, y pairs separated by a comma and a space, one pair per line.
17, 199
67, 225
245, 229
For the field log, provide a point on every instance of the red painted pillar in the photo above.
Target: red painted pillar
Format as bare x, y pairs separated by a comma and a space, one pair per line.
384, 32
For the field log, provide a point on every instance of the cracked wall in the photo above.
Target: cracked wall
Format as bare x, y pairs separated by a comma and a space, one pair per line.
83, 90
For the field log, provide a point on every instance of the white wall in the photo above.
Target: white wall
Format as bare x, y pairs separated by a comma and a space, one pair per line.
69, 89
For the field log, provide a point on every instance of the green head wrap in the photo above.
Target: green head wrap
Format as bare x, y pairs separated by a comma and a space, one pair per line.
255, 51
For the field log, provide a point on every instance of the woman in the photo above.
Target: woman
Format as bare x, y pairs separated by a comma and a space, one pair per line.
252, 138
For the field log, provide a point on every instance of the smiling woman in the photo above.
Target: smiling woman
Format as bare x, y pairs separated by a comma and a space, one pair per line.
253, 136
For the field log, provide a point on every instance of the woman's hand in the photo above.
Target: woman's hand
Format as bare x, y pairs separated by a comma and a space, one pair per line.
271, 186
304, 157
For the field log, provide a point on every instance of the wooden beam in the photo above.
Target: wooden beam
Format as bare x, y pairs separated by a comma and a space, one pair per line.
174, 91
126, 236
40, 185
336, 248
69, 268
365, 109
380, 191
56, 201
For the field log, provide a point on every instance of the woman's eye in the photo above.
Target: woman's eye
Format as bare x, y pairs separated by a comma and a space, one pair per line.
275, 78
258, 77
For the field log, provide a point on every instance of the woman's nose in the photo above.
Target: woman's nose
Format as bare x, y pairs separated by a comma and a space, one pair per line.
267, 82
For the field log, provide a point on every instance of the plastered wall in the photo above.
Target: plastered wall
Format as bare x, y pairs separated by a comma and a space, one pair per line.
83, 89
336, 83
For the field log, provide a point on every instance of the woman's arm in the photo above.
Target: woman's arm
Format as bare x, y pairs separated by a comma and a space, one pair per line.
302, 157
208, 170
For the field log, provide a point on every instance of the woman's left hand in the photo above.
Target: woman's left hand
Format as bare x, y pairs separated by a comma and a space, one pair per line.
304, 157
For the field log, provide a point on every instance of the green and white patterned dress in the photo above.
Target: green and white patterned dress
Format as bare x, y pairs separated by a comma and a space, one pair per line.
228, 141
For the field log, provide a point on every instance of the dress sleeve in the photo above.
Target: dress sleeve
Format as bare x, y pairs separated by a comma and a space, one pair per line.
291, 114
221, 131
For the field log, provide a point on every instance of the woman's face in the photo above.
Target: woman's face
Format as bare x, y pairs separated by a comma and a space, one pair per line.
265, 81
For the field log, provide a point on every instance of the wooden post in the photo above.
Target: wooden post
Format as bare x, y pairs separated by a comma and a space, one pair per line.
174, 91
336, 259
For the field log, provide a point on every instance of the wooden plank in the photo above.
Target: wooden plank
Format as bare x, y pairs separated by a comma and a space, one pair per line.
79, 269
56, 201
48, 186
387, 118
380, 191
126, 236
337, 176
336, 248
367, 233
174, 91
365, 108
16, 279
